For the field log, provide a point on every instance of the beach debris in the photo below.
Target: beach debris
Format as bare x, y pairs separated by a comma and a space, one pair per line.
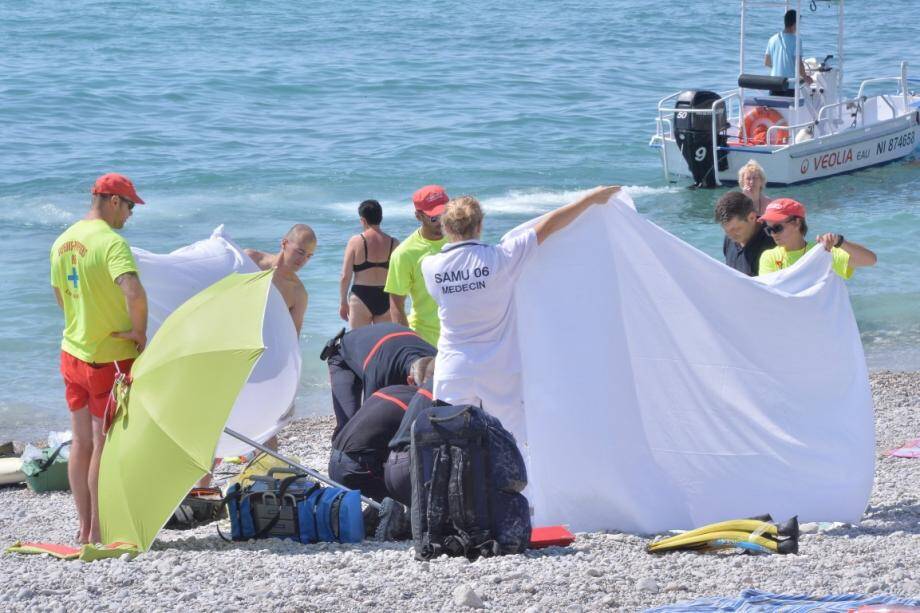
466, 596
647, 584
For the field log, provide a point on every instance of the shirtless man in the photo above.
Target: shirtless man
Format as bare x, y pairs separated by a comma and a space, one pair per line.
297, 248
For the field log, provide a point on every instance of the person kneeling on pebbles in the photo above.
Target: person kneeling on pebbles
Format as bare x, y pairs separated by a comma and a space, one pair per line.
370, 358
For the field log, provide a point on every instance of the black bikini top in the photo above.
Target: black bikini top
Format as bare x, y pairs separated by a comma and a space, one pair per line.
367, 265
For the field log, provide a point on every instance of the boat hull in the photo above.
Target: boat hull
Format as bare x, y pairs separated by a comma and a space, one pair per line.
825, 156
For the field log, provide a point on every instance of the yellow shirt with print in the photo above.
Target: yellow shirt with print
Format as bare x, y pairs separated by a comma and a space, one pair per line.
404, 277
85, 261
778, 258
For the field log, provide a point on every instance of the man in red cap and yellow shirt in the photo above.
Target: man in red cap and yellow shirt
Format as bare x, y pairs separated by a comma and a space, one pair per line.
784, 220
95, 281
404, 277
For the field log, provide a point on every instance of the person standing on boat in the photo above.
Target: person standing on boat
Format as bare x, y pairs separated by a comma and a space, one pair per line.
473, 285
367, 258
780, 57
752, 179
95, 282
785, 219
404, 277
745, 235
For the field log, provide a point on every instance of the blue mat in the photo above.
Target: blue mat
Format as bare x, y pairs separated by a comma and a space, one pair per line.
752, 600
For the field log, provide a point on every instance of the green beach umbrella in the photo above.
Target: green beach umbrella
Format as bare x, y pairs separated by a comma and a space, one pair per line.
183, 387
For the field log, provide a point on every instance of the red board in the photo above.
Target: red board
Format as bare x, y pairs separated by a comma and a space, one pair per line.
550, 536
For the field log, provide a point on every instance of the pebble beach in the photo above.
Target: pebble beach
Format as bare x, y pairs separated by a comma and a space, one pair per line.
197, 571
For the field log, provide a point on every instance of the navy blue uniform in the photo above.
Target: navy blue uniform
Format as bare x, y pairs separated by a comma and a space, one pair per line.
396, 474
368, 359
747, 259
359, 449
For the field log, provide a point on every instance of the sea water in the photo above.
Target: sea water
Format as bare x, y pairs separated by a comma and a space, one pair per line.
261, 115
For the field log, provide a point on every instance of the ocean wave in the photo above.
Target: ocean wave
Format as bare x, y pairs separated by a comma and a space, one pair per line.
513, 202
42, 214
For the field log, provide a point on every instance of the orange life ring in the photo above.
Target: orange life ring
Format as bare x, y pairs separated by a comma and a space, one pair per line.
758, 120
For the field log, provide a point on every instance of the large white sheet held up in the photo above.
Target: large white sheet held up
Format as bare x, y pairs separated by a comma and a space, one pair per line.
663, 390
171, 279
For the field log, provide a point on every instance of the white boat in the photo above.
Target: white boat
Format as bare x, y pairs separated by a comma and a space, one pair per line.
812, 134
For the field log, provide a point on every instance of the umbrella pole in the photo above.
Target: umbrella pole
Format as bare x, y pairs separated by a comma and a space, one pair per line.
309, 471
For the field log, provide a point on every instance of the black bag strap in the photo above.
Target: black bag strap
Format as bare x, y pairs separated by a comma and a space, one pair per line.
44, 464
460, 504
439, 420
436, 513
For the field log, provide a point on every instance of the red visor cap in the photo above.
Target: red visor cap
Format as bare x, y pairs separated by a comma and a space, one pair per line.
782, 209
430, 200
118, 185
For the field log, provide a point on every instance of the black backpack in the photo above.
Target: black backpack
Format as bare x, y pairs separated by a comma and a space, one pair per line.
467, 474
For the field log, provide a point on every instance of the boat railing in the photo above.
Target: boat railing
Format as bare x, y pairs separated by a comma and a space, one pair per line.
901, 79
725, 99
791, 130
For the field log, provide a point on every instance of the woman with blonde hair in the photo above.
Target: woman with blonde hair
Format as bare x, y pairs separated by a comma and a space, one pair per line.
752, 179
473, 285
367, 259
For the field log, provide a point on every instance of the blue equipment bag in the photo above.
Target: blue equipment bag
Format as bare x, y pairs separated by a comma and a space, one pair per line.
467, 474
296, 508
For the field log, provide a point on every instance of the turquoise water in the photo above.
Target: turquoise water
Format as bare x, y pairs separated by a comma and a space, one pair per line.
259, 115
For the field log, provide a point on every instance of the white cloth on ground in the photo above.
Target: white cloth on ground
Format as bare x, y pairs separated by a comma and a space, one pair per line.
171, 279
663, 390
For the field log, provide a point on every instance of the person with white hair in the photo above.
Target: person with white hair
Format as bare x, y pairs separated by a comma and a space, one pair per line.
751, 180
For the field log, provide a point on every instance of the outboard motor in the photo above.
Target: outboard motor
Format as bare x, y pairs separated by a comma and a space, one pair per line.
693, 134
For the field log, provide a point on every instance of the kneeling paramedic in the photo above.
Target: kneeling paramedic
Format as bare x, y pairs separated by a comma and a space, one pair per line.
360, 448
365, 360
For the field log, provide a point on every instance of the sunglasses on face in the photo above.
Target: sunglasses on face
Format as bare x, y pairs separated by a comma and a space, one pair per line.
776, 228
434, 219
128, 202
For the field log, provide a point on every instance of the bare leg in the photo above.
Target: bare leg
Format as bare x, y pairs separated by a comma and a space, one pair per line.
93, 478
385, 318
81, 451
358, 313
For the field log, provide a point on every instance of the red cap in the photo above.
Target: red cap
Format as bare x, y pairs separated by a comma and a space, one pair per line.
117, 185
782, 209
430, 200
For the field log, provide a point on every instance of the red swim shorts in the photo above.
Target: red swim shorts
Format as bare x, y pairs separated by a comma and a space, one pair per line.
89, 384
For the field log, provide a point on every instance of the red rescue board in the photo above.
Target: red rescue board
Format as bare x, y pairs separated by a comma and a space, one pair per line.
550, 536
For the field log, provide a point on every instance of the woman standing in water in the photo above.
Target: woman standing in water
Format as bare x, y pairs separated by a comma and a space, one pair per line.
366, 261
752, 179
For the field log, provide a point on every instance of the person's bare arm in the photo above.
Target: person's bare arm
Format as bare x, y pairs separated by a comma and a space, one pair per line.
257, 257
57, 296
398, 310
299, 309
348, 262
859, 256
565, 215
803, 73
136, 299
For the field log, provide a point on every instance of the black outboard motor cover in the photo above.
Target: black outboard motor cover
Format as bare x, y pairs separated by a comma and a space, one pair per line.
693, 134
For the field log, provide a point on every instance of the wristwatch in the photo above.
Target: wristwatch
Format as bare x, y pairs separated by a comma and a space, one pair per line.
839, 241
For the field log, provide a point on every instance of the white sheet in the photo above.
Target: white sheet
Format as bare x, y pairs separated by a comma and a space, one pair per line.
171, 279
663, 390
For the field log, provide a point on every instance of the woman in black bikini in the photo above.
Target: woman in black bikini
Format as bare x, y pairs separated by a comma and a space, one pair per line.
367, 259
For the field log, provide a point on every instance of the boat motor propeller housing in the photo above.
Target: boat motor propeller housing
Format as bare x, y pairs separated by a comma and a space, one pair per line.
693, 134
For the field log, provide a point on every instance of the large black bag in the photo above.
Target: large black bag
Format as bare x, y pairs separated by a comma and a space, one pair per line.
467, 475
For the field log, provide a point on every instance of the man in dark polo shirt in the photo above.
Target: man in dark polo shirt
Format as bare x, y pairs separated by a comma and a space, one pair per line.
745, 237
370, 358
359, 449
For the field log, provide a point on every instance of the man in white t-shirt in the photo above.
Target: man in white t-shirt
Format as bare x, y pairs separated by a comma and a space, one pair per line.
473, 286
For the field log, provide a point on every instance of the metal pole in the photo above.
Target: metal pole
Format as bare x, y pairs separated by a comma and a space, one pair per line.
301, 467
798, 60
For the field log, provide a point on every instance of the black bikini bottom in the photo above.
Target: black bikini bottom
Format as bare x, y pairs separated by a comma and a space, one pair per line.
374, 298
